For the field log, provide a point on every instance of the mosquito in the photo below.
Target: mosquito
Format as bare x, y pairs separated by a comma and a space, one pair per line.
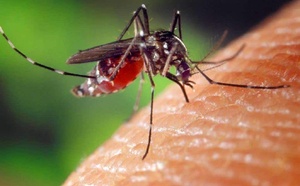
120, 62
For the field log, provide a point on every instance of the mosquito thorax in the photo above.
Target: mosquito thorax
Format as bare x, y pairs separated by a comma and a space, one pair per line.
162, 43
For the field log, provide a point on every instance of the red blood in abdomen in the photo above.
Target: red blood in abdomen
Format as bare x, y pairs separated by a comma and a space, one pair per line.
131, 68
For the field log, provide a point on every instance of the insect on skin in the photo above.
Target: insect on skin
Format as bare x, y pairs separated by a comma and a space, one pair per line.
120, 62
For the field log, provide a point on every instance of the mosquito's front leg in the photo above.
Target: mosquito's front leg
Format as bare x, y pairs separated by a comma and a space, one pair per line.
174, 79
239, 85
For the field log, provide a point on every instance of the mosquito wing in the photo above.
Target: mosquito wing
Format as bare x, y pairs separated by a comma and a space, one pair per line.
105, 51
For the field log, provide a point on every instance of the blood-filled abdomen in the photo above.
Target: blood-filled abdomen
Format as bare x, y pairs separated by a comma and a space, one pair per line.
130, 69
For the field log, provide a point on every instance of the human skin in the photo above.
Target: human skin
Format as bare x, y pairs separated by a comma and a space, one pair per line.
225, 135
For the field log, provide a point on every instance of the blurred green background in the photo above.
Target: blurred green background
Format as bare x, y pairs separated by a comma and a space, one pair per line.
45, 132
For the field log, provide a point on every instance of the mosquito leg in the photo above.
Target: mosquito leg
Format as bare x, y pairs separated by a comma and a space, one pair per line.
149, 72
239, 85
135, 14
167, 64
122, 60
146, 20
138, 28
174, 79
38, 64
151, 123
138, 97
176, 20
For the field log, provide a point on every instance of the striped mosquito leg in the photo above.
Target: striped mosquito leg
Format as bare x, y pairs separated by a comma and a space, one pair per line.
239, 85
38, 64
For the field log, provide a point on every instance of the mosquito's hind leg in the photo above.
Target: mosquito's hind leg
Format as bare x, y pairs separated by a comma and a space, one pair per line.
138, 97
135, 15
39, 64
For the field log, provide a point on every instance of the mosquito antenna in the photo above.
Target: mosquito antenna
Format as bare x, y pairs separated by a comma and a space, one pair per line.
38, 64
